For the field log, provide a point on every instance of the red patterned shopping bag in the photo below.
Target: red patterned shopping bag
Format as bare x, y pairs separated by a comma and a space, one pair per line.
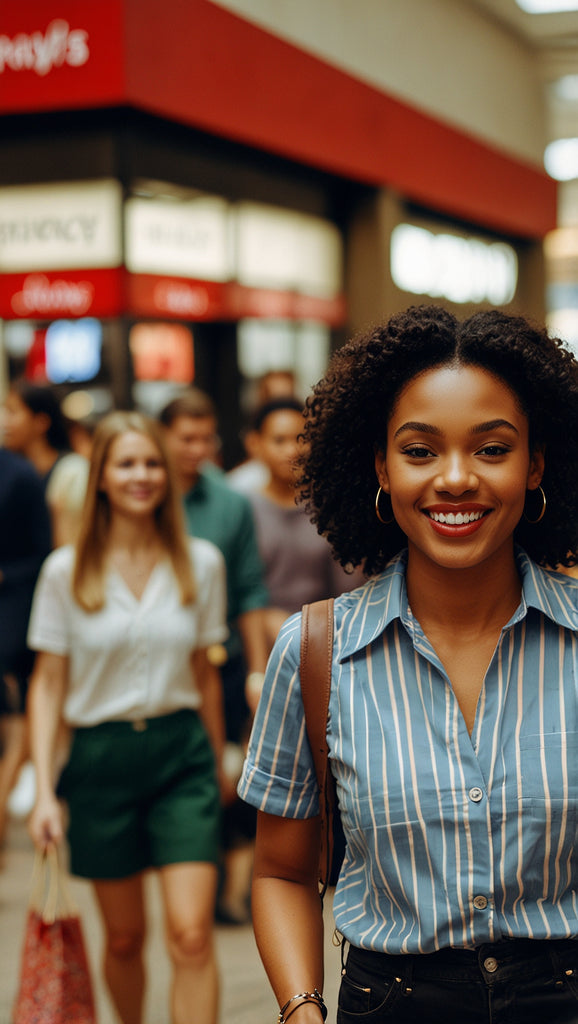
55, 984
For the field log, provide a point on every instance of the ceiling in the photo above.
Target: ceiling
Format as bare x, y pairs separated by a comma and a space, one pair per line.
555, 37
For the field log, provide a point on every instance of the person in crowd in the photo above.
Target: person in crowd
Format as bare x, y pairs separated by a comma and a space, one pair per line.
24, 544
34, 426
122, 623
214, 511
441, 456
252, 475
299, 564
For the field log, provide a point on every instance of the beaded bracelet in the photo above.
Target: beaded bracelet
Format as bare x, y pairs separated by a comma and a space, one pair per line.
307, 997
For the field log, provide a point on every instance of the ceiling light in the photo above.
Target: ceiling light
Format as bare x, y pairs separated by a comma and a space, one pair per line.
566, 88
561, 159
547, 6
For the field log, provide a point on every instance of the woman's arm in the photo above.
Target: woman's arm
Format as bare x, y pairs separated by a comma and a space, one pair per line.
211, 712
45, 702
287, 911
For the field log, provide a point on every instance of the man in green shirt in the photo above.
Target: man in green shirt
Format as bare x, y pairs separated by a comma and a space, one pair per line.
215, 512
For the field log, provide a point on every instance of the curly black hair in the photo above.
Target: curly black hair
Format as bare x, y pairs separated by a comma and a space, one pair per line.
349, 409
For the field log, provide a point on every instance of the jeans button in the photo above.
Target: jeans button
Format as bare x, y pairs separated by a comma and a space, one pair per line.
490, 964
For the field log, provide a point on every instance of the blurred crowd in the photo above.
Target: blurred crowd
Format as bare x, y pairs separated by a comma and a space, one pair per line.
95, 571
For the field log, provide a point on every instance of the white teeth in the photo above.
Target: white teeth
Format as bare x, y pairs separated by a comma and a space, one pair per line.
457, 519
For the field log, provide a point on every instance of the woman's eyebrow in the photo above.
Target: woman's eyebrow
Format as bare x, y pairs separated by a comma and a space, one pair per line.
484, 428
421, 428
429, 428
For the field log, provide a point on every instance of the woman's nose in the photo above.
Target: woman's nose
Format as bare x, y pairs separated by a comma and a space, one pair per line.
456, 475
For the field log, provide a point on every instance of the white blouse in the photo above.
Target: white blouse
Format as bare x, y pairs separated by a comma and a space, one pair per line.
131, 659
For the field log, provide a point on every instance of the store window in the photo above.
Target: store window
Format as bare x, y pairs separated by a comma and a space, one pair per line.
163, 361
70, 355
265, 345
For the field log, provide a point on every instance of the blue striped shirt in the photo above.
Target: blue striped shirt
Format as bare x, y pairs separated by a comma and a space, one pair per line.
452, 839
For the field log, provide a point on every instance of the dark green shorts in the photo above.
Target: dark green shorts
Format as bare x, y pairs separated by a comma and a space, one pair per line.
141, 795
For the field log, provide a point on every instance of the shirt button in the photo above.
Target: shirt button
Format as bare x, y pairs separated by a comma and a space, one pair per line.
490, 964
480, 902
476, 794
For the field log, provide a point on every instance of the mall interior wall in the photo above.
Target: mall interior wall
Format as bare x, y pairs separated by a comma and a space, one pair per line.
447, 57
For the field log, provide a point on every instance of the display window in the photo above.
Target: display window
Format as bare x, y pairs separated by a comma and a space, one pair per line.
70, 355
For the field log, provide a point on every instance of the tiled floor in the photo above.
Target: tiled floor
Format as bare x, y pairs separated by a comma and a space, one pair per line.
246, 996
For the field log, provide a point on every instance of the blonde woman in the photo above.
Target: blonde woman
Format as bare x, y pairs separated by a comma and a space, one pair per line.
121, 623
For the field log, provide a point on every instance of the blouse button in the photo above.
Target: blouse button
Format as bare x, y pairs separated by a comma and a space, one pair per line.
476, 794
480, 902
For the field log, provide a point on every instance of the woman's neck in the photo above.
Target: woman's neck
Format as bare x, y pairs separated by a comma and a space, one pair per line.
132, 536
41, 455
475, 600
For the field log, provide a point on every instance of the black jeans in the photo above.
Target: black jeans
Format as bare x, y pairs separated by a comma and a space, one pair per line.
513, 982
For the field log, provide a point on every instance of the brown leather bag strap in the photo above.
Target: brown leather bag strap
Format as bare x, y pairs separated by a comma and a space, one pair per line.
315, 671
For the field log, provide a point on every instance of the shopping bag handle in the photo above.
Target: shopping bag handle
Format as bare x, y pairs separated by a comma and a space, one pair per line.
49, 891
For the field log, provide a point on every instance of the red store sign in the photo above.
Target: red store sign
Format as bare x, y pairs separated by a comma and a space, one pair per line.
55, 294
71, 57
176, 298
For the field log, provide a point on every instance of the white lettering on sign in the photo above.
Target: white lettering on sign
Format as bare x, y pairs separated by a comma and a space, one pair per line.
181, 238
180, 299
450, 266
64, 226
48, 229
42, 52
40, 295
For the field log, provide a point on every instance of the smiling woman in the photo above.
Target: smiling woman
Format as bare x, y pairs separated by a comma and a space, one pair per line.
459, 472
454, 660
122, 624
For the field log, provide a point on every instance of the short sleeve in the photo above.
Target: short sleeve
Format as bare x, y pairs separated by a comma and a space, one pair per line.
210, 576
48, 628
279, 773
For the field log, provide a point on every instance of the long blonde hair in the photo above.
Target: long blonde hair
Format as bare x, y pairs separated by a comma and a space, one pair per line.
89, 570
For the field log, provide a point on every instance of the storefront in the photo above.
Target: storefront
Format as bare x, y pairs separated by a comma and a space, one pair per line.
171, 212
125, 293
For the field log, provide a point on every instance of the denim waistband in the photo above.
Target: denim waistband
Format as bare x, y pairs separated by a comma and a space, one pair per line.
488, 956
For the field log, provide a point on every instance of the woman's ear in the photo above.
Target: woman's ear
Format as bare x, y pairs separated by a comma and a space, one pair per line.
381, 471
536, 469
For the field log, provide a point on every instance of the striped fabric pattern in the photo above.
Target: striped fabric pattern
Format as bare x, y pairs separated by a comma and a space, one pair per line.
452, 839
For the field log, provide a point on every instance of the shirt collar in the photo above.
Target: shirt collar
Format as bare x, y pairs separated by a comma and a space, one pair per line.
198, 490
384, 600
553, 594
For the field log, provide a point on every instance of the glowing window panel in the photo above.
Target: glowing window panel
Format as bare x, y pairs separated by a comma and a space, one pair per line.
561, 159
452, 267
547, 6
73, 350
162, 352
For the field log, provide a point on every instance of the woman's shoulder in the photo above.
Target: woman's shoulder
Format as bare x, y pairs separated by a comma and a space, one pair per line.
57, 567
70, 474
205, 555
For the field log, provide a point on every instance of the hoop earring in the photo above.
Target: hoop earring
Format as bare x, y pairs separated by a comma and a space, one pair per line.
542, 510
386, 522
